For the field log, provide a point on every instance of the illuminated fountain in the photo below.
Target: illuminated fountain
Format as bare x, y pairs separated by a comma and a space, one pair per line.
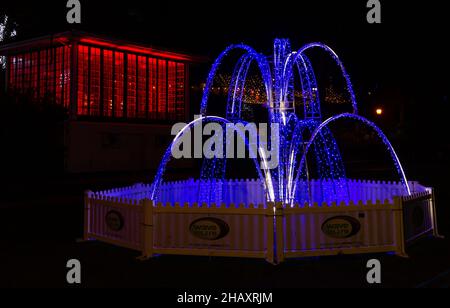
290, 182
286, 212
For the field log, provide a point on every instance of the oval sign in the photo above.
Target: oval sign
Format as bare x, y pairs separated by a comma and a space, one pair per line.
341, 227
208, 228
114, 221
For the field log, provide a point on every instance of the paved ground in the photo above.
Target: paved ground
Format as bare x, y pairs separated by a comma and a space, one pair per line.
43, 265
39, 227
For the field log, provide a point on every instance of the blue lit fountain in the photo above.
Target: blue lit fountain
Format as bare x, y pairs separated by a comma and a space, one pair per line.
289, 182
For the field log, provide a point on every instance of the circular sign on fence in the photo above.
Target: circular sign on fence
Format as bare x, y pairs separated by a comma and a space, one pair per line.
114, 221
341, 227
209, 228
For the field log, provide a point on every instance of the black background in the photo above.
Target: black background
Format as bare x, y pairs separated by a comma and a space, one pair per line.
404, 60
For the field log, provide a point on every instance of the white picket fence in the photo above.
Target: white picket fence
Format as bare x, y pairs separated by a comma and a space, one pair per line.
101, 209
251, 191
362, 190
214, 191
379, 229
138, 191
128, 218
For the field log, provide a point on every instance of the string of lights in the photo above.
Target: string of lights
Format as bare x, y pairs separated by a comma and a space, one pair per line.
274, 87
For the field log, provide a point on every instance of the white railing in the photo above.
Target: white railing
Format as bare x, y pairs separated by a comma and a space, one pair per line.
374, 191
245, 227
136, 192
251, 191
215, 191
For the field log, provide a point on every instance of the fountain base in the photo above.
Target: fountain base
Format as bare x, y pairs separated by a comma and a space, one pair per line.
126, 217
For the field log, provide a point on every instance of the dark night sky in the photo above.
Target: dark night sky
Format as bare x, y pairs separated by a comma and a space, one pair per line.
406, 55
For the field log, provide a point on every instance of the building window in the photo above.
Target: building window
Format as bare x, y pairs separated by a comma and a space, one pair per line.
131, 86
107, 83
162, 89
59, 75
26, 71
142, 87
171, 90
94, 82
19, 71
66, 76
152, 89
83, 79
180, 95
12, 72
34, 74
42, 73
118, 84
51, 81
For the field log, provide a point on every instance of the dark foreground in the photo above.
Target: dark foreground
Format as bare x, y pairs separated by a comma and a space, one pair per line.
41, 221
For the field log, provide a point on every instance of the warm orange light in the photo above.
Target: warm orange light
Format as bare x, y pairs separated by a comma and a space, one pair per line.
379, 111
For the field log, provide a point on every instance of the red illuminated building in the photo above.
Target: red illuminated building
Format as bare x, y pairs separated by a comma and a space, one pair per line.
98, 77
120, 97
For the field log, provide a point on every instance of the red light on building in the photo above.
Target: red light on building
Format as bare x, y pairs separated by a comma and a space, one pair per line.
136, 50
97, 77
121, 98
